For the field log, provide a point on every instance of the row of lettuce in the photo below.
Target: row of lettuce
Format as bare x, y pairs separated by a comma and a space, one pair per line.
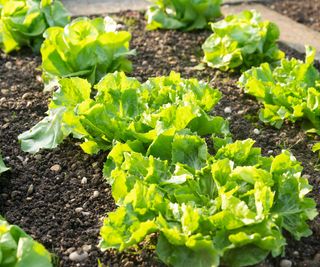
23, 22
227, 207
92, 48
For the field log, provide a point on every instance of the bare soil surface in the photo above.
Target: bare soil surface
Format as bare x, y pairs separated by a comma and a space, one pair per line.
46, 194
303, 11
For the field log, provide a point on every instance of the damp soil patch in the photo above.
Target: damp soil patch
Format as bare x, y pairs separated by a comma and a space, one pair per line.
60, 197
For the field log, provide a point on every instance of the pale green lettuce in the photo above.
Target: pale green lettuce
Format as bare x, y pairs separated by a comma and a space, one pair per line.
316, 148
182, 14
85, 48
17, 249
291, 91
23, 22
241, 41
228, 209
3, 167
123, 109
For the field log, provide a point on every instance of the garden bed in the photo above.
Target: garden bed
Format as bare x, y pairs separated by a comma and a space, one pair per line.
305, 12
47, 195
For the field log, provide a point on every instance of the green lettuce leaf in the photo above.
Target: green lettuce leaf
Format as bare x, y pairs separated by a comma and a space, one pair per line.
182, 14
180, 256
19, 249
228, 209
48, 133
85, 48
316, 148
241, 41
291, 91
23, 22
3, 167
125, 110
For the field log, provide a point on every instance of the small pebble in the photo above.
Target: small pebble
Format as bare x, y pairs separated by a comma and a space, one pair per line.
86, 213
25, 162
285, 263
256, 131
30, 190
95, 165
85, 205
56, 168
39, 78
8, 65
84, 180
86, 248
26, 95
128, 264
95, 194
6, 125
4, 91
97, 175
37, 156
20, 158
270, 151
29, 104
306, 176
78, 210
317, 257
227, 110
74, 166
75, 256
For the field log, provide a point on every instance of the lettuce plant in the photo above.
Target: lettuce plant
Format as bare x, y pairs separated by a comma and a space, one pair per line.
182, 14
291, 91
123, 109
85, 48
3, 167
242, 41
23, 22
316, 148
229, 209
19, 249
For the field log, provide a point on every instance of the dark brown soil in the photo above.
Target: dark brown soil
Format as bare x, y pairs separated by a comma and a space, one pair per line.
304, 11
50, 212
